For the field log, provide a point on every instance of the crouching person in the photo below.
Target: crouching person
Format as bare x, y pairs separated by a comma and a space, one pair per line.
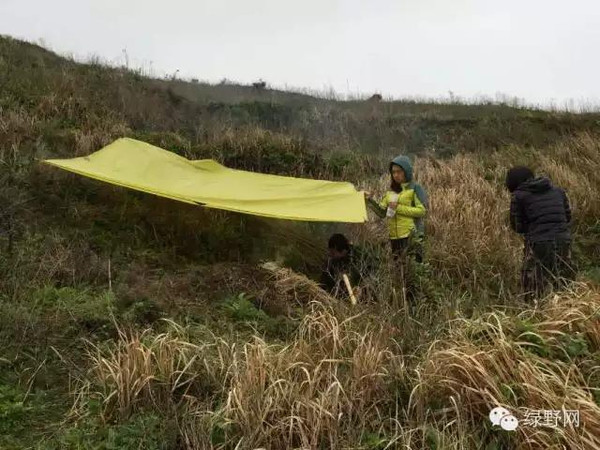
541, 213
343, 258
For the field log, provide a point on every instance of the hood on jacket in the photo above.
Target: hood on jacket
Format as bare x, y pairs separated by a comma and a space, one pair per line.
404, 162
540, 184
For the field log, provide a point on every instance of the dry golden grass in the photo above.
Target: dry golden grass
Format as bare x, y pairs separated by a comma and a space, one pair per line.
495, 361
294, 288
343, 382
329, 385
163, 371
325, 388
468, 224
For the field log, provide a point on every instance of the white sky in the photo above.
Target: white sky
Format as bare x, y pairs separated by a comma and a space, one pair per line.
539, 50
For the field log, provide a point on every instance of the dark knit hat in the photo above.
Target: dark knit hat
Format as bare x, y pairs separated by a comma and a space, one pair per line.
518, 175
339, 242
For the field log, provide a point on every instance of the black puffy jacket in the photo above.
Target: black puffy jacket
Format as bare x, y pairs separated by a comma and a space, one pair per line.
540, 211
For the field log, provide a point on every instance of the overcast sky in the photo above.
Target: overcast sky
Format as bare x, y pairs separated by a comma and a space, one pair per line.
540, 50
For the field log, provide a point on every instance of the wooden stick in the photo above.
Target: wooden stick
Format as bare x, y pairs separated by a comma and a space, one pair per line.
349, 288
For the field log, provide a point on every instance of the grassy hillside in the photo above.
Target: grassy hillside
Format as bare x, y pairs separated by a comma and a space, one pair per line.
130, 321
80, 105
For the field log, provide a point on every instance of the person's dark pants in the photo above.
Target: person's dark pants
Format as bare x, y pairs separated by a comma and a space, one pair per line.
546, 264
402, 249
399, 248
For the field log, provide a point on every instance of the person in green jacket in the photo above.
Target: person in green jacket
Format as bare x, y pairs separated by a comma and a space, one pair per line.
404, 206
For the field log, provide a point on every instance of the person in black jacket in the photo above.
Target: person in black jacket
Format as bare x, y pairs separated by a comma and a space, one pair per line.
541, 213
343, 258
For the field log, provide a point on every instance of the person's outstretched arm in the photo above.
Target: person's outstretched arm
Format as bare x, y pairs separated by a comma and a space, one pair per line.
378, 208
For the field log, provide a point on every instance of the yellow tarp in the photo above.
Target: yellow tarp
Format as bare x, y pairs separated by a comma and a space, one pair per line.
144, 167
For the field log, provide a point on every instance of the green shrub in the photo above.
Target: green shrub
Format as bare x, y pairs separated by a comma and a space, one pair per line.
142, 431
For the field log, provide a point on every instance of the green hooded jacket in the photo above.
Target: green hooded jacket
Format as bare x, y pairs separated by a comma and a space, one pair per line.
412, 205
